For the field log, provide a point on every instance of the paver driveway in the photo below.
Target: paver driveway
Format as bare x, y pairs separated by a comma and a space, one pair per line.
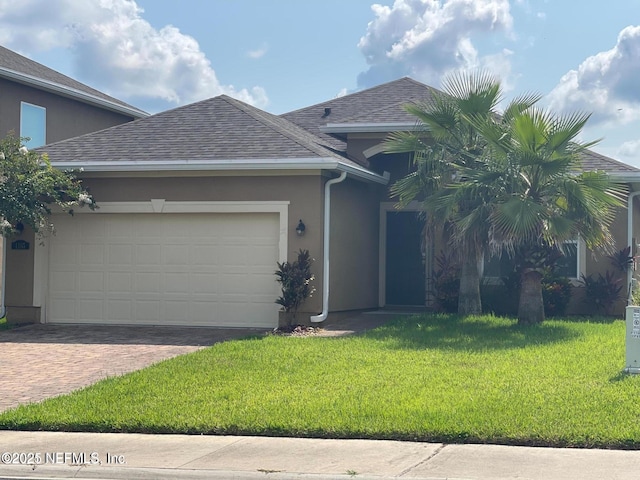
41, 361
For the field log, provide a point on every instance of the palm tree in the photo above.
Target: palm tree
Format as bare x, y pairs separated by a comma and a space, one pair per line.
538, 197
445, 143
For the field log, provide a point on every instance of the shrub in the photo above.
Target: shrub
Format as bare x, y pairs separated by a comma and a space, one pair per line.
556, 294
503, 299
446, 282
295, 278
602, 292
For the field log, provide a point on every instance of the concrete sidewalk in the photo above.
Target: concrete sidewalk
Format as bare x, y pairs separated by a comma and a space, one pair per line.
137, 456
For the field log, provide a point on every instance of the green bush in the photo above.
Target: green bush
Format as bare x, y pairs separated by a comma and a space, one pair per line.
601, 292
556, 294
295, 278
446, 279
503, 299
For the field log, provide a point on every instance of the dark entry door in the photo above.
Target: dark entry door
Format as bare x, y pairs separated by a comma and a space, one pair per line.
405, 270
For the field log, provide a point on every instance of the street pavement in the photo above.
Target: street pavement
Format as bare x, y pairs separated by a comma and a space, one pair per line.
140, 456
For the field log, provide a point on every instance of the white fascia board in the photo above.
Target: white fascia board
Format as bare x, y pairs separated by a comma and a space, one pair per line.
71, 92
318, 163
625, 177
367, 127
365, 174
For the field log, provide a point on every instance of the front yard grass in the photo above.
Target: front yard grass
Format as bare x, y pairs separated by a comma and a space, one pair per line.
427, 378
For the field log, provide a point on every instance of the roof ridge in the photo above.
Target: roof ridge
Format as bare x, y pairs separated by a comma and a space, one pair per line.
299, 134
359, 92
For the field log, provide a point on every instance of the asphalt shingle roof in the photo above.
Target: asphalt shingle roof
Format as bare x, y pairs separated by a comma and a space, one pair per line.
380, 104
15, 62
385, 104
223, 128
220, 128
595, 161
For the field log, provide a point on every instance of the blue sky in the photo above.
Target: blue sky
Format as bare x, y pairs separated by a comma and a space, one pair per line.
282, 55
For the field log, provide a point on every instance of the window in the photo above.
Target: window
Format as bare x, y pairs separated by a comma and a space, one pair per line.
569, 265
33, 124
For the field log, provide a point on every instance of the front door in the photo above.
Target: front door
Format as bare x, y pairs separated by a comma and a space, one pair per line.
405, 268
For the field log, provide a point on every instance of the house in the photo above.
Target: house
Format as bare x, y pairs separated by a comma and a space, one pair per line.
46, 106
198, 203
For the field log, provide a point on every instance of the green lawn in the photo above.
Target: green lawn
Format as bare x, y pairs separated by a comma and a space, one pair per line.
432, 378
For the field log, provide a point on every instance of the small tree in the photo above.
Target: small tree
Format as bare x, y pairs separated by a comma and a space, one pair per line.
29, 186
295, 278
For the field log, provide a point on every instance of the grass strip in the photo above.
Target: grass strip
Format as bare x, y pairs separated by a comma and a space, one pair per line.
437, 378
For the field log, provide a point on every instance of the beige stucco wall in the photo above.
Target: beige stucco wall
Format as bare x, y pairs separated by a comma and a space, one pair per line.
597, 262
66, 118
19, 278
303, 192
355, 213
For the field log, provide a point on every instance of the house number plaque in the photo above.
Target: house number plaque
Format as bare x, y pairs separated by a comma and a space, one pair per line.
20, 245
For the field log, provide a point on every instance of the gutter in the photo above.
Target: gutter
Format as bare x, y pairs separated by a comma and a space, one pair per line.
325, 253
326, 163
629, 242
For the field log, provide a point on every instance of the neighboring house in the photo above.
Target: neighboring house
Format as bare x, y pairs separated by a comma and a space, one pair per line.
46, 106
197, 204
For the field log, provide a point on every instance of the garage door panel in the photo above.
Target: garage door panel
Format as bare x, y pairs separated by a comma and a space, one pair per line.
91, 282
63, 282
91, 309
119, 282
61, 255
175, 283
120, 254
63, 309
119, 311
173, 269
147, 310
148, 254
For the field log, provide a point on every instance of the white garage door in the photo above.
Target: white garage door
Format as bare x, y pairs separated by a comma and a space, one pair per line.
201, 269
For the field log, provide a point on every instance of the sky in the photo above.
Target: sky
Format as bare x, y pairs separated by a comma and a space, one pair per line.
281, 55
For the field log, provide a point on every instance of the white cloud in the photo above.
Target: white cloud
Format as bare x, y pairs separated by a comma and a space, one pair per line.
258, 52
343, 91
629, 149
426, 39
605, 84
116, 50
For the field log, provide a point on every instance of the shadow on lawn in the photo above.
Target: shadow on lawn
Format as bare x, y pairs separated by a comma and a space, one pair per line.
468, 333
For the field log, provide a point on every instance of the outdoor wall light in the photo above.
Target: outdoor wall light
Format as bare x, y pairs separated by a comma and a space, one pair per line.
300, 228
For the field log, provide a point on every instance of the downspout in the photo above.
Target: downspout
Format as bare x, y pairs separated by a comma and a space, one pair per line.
325, 253
629, 242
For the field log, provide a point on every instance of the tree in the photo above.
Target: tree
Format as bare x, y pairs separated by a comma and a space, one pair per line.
445, 143
30, 187
538, 197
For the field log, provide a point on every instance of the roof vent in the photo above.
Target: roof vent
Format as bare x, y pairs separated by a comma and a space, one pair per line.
327, 112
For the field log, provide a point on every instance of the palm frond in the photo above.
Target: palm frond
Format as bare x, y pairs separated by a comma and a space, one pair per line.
519, 218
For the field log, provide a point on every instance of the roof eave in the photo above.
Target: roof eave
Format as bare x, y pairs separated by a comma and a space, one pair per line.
625, 177
241, 165
71, 92
367, 127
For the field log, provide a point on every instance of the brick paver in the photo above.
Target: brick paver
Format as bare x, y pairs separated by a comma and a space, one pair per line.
42, 361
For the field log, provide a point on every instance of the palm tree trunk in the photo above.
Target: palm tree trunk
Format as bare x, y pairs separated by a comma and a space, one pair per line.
530, 306
469, 302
